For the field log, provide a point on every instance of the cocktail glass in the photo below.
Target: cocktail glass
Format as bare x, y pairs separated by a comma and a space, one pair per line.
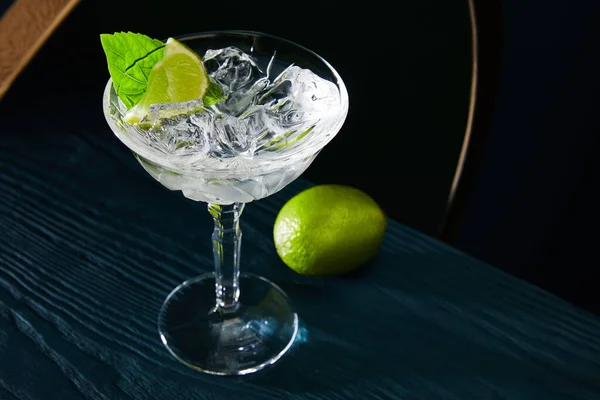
227, 322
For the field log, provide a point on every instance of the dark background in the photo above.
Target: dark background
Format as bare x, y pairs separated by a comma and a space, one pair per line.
531, 209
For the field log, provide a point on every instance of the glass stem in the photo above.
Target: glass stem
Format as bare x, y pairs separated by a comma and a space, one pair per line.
227, 241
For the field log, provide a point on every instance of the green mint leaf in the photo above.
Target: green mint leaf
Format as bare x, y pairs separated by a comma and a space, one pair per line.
130, 58
213, 94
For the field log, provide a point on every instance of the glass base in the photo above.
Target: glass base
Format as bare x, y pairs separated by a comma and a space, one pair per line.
239, 342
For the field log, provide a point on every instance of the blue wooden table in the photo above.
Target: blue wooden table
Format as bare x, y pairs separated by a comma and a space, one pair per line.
91, 245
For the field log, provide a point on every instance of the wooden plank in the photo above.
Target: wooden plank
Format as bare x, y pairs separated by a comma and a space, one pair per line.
24, 28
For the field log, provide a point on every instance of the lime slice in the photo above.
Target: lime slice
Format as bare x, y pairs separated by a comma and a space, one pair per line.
180, 76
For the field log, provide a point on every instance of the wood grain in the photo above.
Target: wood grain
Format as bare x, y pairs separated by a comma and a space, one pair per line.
24, 28
90, 246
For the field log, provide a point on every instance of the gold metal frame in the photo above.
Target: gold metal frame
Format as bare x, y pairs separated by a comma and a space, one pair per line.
469, 129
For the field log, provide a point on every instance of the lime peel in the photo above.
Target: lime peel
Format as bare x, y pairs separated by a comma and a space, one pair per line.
328, 230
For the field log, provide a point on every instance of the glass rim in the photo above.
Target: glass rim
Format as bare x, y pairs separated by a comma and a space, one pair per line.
270, 163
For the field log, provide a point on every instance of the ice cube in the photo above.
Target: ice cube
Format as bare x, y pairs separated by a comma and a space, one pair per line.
277, 96
238, 102
183, 136
229, 138
231, 68
260, 121
308, 91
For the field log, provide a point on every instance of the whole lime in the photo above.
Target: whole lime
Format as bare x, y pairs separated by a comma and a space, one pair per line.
328, 230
